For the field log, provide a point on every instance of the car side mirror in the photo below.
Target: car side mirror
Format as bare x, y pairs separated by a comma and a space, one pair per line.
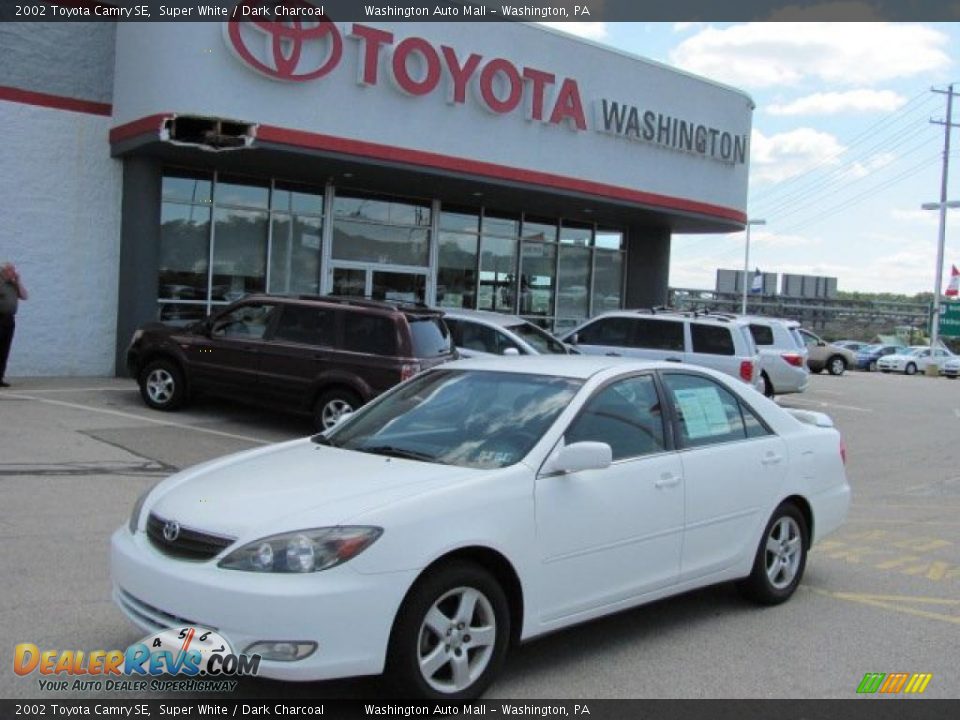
512, 351
821, 343
578, 457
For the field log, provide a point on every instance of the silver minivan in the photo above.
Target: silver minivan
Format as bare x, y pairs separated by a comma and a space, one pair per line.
720, 343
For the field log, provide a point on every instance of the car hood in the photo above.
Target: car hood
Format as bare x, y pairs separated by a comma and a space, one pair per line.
292, 486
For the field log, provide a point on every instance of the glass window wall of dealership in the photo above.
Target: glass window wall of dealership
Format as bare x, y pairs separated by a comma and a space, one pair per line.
224, 236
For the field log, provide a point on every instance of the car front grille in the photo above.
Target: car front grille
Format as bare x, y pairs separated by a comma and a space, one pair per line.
151, 616
189, 544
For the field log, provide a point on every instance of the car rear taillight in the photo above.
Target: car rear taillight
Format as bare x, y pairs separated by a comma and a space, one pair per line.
794, 359
746, 370
408, 370
843, 451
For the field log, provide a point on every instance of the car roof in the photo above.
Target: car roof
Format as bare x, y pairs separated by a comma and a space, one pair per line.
571, 366
494, 318
658, 314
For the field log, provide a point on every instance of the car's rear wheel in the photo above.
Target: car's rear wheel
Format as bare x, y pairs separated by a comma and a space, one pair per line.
332, 405
162, 385
780, 559
911, 369
451, 634
836, 365
767, 385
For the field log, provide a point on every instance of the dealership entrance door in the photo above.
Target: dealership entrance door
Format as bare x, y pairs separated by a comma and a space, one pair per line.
402, 284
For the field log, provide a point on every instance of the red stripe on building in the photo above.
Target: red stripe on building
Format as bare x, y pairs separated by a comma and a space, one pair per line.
436, 161
57, 102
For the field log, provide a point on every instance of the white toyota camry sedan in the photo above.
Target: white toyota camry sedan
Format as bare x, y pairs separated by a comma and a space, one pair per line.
480, 504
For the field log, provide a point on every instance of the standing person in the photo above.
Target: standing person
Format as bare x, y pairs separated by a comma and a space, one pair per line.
12, 291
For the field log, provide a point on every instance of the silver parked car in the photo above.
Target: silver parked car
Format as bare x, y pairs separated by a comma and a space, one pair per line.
822, 355
783, 356
718, 342
477, 333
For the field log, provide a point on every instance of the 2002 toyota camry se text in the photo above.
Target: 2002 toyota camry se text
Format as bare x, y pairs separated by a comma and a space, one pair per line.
479, 504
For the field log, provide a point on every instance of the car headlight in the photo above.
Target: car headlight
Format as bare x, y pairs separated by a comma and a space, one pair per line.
302, 551
134, 521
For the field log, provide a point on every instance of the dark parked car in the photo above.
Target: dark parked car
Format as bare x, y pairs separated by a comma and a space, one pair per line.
867, 357
321, 355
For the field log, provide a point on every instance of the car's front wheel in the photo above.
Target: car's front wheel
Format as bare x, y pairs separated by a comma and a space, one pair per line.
451, 634
911, 369
162, 385
836, 365
781, 558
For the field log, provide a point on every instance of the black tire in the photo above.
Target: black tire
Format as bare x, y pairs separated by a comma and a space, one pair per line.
768, 390
331, 405
162, 385
910, 369
411, 637
836, 365
759, 587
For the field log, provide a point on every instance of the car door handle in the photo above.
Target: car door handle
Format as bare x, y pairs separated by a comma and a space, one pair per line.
674, 359
612, 354
667, 480
771, 458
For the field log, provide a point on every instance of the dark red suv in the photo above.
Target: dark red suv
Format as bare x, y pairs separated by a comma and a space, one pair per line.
321, 355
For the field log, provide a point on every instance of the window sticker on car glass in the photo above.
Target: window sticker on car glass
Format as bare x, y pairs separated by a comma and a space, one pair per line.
703, 413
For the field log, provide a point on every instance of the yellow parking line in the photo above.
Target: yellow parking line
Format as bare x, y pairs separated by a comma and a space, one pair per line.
896, 603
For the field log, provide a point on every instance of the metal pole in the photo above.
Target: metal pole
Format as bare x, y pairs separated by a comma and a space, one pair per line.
746, 270
941, 239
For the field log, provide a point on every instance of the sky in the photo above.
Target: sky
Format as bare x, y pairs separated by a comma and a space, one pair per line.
843, 153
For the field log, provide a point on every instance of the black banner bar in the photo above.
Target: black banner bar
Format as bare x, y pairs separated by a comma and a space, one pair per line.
473, 10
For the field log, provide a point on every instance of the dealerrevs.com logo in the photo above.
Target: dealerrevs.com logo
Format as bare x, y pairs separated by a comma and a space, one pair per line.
296, 43
199, 659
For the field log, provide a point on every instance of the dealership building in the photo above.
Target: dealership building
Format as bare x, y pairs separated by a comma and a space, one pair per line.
163, 170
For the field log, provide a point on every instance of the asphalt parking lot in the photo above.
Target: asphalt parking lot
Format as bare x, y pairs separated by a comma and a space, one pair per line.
881, 595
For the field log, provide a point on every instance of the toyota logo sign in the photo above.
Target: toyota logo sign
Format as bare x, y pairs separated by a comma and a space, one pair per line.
298, 44
171, 531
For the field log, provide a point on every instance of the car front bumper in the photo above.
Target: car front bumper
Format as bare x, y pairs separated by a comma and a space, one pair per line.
348, 614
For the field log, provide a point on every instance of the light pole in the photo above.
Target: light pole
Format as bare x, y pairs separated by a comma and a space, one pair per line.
938, 280
746, 261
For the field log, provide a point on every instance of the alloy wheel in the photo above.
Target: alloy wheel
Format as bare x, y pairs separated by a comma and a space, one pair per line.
456, 640
783, 552
160, 386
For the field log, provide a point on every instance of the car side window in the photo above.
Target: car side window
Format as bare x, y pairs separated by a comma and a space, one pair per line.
659, 334
711, 340
626, 415
616, 331
456, 331
480, 338
709, 413
762, 334
370, 334
247, 322
306, 325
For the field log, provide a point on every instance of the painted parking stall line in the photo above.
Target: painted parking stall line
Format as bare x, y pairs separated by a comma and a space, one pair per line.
135, 416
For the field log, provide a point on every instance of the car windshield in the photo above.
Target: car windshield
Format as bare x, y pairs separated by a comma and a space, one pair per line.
469, 418
542, 341
867, 349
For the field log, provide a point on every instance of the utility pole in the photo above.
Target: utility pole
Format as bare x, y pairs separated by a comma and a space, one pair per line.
938, 282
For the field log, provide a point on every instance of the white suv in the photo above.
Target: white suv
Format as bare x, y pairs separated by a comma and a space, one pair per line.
717, 342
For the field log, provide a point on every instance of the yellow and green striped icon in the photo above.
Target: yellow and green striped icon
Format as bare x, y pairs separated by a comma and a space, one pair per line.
892, 683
